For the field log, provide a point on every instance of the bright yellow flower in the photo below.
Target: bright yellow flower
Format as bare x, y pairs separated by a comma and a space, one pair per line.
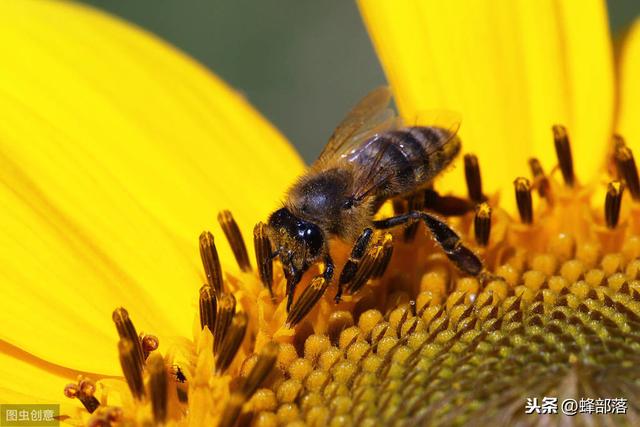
512, 68
116, 151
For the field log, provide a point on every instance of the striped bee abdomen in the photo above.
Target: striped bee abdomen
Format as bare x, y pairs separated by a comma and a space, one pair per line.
408, 158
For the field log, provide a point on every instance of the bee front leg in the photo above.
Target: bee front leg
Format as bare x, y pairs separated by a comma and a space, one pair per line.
329, 266
449, 241
351, 267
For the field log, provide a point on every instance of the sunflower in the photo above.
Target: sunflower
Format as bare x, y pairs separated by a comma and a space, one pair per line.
117, 151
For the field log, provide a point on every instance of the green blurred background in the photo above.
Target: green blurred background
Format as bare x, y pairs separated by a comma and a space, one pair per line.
301, 63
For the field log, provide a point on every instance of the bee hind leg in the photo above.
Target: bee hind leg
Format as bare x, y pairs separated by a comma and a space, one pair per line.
449, 241
351, 267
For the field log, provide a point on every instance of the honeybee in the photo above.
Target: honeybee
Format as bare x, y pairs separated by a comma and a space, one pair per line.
368, 160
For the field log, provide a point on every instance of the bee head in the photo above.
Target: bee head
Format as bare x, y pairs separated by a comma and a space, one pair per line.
297, 242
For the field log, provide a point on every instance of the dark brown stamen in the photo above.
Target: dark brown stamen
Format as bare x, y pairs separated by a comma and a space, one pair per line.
127, 331
90, 403
83, 391
540, 179
338, 322
264, 258
260, 371
182, 388
446, 205
626, 165
208, 307
158, 388
365, 270
234, 236
148, 343
563, 153
372, 264
523, 199
306, 301
387, 253
473, 178
231, 342
131, 368
224, 316
232, 409
482, 224
210, 261
612, 203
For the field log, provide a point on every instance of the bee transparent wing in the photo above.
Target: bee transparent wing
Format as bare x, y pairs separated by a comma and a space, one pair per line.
376, 174
370, 116
380, 170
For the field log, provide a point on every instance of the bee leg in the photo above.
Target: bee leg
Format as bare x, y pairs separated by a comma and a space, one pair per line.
446, 205
416, 202
449, 241
351, 267
329, 266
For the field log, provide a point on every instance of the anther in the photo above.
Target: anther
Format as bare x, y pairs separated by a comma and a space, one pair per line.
264, 256
131, 368
372, 264
232, 409
523, 199
158, 388
231, 342
210, 261
482, 224
263, 367
612, 203
365, 270
540, 179
563, 152
148, 343
626, 165
473, 178
224, 316
306, 301
338, 322
234, 236
387, 253
84, 391
208, 307
127, 331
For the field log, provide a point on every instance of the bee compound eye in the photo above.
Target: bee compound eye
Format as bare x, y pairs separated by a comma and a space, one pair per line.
313, 238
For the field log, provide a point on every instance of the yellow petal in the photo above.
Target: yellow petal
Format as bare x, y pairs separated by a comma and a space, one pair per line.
629, 89
25, 379
511, 68
115, 152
